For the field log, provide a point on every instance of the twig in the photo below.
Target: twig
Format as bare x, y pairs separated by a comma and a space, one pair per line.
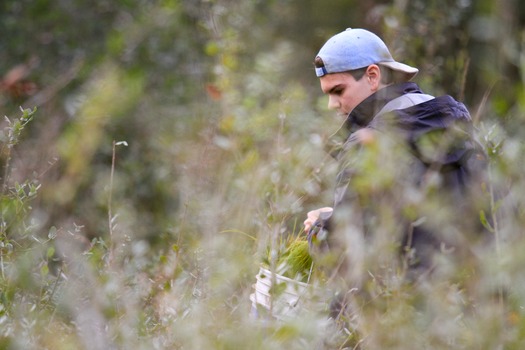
110, 214
2, 263
496, 229
464, 79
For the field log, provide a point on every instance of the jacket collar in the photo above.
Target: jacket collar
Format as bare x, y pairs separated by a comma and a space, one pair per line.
363, 114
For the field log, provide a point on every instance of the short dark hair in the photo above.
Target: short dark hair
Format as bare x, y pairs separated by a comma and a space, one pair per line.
357, 73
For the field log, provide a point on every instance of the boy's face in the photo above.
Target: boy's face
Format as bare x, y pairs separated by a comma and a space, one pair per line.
344, 92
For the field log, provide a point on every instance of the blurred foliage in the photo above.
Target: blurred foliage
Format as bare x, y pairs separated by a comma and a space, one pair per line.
226, 126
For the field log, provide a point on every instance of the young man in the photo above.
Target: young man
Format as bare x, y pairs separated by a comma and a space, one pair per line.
374, 95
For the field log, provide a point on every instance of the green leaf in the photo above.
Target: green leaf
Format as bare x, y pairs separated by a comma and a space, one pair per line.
484, 221
286, 333
277, 289
50, 252
44, 270
52, 234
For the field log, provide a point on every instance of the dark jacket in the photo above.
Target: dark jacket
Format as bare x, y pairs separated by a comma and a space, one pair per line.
456, 164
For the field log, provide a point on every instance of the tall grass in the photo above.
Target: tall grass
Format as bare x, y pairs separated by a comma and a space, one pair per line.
121, 291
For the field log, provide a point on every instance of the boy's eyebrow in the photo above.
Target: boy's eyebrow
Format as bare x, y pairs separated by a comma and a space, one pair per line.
332, 90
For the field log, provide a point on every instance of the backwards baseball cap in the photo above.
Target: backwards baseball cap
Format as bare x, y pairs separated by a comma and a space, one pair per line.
358, 48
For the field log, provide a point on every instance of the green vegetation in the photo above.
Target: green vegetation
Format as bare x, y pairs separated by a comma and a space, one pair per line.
153, 152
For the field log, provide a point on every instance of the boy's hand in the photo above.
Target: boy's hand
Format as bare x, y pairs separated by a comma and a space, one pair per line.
313, 215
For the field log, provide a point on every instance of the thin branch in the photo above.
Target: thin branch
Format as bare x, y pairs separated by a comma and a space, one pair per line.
110, 215
110, 197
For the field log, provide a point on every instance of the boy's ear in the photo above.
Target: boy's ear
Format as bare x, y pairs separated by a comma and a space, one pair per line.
373, 75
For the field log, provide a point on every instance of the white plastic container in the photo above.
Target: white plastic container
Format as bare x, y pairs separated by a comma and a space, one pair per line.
283, 301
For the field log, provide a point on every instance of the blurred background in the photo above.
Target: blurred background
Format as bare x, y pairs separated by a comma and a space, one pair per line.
181, 136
